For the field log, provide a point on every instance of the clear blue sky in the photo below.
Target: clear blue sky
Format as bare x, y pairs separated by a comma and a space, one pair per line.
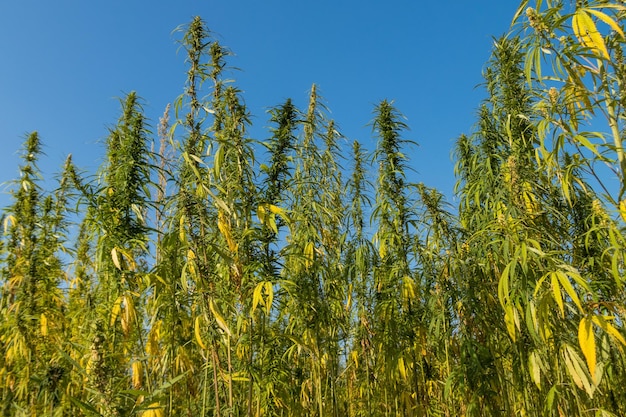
64, 64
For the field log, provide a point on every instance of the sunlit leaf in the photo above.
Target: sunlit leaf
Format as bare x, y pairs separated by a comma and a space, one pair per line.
556, 292
586, 31
605, 325
574, 365
116, 259
197, 332
587, 343
567, 286
606, 19
115, 311
218, 317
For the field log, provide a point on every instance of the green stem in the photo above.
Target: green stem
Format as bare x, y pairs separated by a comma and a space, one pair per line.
617, 141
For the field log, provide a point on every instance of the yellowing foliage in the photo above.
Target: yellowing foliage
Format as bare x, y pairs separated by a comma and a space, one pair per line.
585, 29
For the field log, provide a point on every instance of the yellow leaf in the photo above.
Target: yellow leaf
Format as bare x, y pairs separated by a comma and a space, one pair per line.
382, 249
152, 345
608, 327
608, 20
402, 368
355, 357
408, 288
308, 254
137, 374
534, 368
115, 311
569, 289
154, 410
196, 331
223, 224
573, 362
130, 314
181, 229
511, 319
267, 215
261, 213
556, 292
116, 258
10, 219
503, 286
191, 267
530, 202
276, 210
622, 209
586, 31
269, 290
587, 343
43, 322
125, 255
218, 317
257, 297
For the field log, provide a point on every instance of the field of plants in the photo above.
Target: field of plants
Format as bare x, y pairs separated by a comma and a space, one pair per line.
203, 273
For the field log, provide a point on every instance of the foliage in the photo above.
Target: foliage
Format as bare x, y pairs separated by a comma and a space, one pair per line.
298, 275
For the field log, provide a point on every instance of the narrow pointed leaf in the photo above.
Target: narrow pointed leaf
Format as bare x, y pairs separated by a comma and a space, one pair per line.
587, 343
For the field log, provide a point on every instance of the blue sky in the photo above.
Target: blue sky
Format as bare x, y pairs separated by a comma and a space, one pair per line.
65, 64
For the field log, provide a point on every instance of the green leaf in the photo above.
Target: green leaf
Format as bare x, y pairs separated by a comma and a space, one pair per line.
587, 144
85, 407
503, 286
534, 368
